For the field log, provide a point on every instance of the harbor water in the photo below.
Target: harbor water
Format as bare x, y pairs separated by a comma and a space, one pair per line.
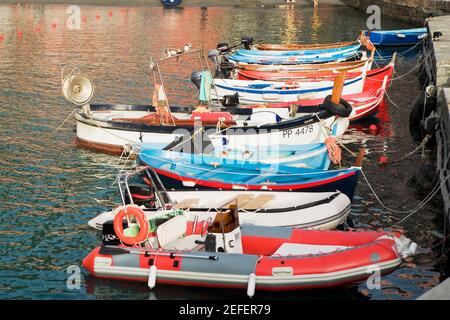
49, 188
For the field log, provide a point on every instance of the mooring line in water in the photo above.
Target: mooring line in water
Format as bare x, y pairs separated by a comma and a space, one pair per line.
400, 77
412, 211
424, 141
381, 57
65, 120
413, 103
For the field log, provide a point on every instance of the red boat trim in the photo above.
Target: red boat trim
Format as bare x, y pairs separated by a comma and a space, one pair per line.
221, 185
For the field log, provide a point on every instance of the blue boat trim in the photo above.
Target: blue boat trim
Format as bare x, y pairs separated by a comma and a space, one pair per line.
286, 91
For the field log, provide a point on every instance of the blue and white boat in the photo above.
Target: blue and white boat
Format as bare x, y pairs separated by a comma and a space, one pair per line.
402, 37
197, 171
260, 91
313, 156
244, 56
322, 52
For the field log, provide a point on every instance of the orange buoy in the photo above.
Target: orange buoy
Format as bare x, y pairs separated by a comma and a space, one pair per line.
110, 14
373, 129
84, 19
97, 17
54, 25
383, 160
37, 29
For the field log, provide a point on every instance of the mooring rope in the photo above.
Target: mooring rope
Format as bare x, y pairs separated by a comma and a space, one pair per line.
409, 212
65, 120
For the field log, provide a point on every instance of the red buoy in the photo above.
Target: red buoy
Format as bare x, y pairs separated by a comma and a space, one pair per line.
373, 129
84, 19
97, 17
123, 10
37, 29
2, 37
110, 14
54, 25
19, 34
383, 160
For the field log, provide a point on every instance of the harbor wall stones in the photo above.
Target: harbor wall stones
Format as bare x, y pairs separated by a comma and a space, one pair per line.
414, 11
438, 68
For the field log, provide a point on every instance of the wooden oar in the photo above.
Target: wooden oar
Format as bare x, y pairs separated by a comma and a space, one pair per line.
337, 88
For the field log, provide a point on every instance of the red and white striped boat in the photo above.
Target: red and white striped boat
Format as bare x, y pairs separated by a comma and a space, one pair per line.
364, 104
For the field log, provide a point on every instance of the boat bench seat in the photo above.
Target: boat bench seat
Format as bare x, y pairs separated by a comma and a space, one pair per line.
171, 235
305, 249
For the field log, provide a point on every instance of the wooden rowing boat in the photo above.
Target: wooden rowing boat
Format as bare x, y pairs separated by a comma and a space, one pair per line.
289, 47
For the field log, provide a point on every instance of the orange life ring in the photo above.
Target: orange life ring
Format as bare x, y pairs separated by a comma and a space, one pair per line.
140, 218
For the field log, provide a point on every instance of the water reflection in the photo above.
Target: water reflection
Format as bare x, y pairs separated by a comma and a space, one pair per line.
49, 188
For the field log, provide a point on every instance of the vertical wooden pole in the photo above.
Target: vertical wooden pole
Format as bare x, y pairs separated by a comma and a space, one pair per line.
337, 88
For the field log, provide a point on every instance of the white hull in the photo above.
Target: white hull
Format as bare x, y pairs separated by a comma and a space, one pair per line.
307, 134
274, 93
327, 215
97, 131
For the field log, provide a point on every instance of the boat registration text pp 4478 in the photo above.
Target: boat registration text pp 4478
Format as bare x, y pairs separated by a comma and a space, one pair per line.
288, 133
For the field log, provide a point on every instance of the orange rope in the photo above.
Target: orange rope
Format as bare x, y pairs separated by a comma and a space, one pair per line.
334, 151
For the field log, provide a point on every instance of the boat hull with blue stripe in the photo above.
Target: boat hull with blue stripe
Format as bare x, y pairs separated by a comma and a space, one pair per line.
321, 52
195, 171
238, 57
254, 92
403, 37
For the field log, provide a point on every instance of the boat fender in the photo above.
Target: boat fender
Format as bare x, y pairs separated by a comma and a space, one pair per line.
343, 109
405, 247
152, 277
251, 285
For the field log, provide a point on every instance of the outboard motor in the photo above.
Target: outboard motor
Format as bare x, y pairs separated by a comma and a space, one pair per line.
213, 56
196, 78
231, 100
225, 69
143, 195
223, 47
247, 42
108, 235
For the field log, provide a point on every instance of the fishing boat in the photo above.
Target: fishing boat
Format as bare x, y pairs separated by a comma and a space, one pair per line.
198, 171
308, 210
402, 37
364, 104
116, 128
223, 253
313, 156
317, 52
278, 75
364, 63
260, 91
301, 47
245, 57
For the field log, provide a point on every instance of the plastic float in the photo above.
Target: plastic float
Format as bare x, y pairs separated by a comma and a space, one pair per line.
224, 254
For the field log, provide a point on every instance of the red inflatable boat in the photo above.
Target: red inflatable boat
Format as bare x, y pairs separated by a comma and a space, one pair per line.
222, 254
